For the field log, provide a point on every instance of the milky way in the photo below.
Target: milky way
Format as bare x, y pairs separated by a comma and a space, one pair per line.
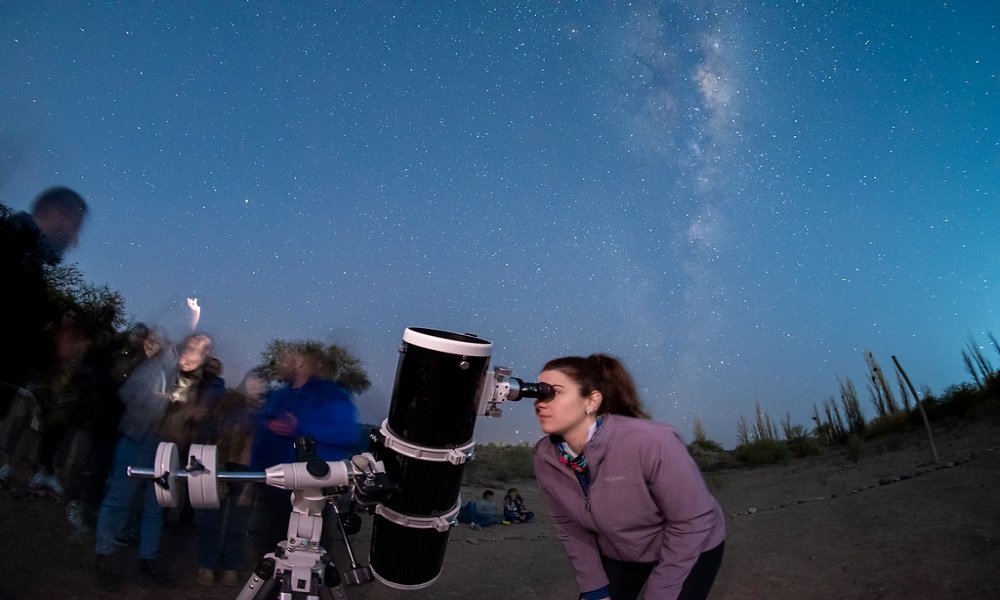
737, 201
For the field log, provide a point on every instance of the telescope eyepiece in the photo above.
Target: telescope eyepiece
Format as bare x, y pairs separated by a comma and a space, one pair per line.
541, 391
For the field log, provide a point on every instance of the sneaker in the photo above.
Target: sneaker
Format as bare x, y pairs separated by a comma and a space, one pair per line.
206, 577
74, 514
108, 577
505, 522
231, 579
5, 472
475, 526
53, 484
81, 528
152, 573
43, 481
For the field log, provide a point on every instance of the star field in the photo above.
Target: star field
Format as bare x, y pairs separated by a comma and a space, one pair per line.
737, 200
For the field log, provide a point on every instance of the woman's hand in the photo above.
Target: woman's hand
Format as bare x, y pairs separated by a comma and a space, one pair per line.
285, 425
192, 304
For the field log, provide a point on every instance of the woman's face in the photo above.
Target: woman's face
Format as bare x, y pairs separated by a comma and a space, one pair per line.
194, 353
151, 345
567, 410
255, 388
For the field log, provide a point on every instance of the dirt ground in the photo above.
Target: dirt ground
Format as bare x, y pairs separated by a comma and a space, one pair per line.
894, 525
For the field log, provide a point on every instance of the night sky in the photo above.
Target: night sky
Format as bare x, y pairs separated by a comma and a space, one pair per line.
736, 201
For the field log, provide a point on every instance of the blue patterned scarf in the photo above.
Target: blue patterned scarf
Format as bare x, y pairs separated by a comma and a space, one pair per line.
577, 463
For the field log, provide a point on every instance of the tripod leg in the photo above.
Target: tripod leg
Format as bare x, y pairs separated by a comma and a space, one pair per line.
357, 575
261, 581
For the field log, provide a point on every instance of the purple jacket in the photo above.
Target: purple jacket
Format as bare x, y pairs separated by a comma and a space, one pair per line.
647, 502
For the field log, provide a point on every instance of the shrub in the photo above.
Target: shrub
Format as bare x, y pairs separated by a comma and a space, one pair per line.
987, 409
854, 448
709, 455
705, 445
802, 446
956, 400
895, 422
499, 463
762, 452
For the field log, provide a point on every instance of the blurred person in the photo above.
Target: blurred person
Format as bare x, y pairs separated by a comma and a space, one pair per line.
514, 509
94, 435
50, 403
19, 418
482, 513
152, 343
209, 391
209, 395
221, 532
58, 213
30, 245
60, 391
139, 344
629, 504
160, 405
306, 405
111, 363
184, 413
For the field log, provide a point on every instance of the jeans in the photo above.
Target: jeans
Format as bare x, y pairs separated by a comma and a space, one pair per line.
122, 490
222, 532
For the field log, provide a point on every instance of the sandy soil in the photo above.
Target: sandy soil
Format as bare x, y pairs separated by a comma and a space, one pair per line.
895, 525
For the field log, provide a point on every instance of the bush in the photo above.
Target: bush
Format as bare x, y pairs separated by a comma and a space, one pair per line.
988, 409
709, 456
955, 401
703, 445
895, 422
496, 463
762, 452
802, 446
854, 448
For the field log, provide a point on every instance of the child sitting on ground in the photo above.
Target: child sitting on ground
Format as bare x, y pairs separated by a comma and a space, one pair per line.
514, 509
481, 514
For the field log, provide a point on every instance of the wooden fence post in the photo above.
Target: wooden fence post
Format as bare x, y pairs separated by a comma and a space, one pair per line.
916, 398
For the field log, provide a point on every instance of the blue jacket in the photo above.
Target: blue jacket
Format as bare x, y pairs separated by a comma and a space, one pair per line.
324, 411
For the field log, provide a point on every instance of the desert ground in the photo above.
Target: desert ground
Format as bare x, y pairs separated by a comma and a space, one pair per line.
894, 525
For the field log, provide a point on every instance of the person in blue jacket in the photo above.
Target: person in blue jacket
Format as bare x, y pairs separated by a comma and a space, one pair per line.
306, 405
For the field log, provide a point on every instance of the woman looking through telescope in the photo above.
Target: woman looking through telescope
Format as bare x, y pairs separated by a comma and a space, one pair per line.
629, 503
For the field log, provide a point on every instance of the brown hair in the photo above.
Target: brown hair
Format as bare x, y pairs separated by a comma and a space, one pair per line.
606, 375
61, 199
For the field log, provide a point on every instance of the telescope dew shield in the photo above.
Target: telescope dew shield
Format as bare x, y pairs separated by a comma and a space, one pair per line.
435, 399
424, 444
